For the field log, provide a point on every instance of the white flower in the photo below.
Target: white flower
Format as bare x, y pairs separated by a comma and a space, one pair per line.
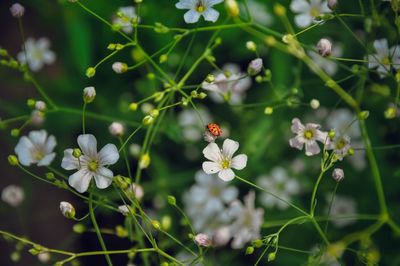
40, 106
324, 47
308, 10
13, 195
67, 209
124, 209
385, 58
255, 66
248, 221
199, 8
342, 206
37, 148
38, 53
137, 191
206, 205
259, 12
17, 10
192, 126
307, 135
127, 14
116, 129
328, 65
231, 87
119, 67
340, 144
37, 118
90, 164
202, 240
279, 183
221, 161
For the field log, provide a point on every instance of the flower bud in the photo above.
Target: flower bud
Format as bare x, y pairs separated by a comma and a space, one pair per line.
134, 149
90, 72
13, 195
171, 200
133, 106
89, 93
255, 66
363, 115
202, 95
119, 67
44, 257
166, 222
17, 10
67, 209
314, 103
137, 191
324, 47
331, 134
79, 228
202, 240
116, 129
154, 113
249, 250
271, 256
40, 106
268, 110
338, 174
390, 112
144, 161
156, 224
232, 7
124, 209
37, 117
76, 153
163, 58
210, 78
147, 120
251, 46
31, 102
13, 160
15, 132
332, 4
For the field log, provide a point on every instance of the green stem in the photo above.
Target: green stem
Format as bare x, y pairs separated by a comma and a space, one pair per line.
314, 193
83, 117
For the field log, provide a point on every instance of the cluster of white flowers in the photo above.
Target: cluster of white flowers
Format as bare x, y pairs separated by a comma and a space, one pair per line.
126, 15
230, 85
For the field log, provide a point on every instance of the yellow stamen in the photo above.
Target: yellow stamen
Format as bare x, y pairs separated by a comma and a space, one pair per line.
200, 8
93, 165
225, 163
308, 134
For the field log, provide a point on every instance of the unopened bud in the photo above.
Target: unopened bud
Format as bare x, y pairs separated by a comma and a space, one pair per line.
232, 7
171, 200
40, 106
251, 46
324, 47
249, 250
268, 110
116, 129
13, 160
133, 106
119, 67
255, 66
202, 240
147, 120
156, 224
314, 103
79, 228
124, 209
17, 10
90, 72
144, 161
338, 174
271, 256
89, 93
76, 153
210, 78
332, 4
67, 209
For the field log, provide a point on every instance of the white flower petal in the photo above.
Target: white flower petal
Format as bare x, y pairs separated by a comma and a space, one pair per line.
211, 167
108, 155
297, 126
229, 148
212, 152
23, 151
229, 194
185, 4
209, 3
299, 6
80, 180
303, 20
211, 14
47, 159
103, 177
88, 145
69, 162
239, 162
312, 148
226, 174
296, 142
38, 137
191, 16
50, 144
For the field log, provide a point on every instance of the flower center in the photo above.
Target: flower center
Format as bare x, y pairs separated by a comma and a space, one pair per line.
340, 144
225, 163
308, 134
314, 12
200, 7
93, 165
37, 155
386, 60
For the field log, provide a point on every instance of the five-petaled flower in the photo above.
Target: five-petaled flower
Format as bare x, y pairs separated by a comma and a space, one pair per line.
385, 58
90, 164
37, 148
307, 135
199, 8
308, 10
221, 161
37, 53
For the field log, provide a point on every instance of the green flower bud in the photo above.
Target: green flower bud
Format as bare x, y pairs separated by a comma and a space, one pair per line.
31, 102
172, 200
90, 72
76, 153
13, 160
271, 256
79, 228
156, 224
133, 106
249, 250
147, 120
15, 132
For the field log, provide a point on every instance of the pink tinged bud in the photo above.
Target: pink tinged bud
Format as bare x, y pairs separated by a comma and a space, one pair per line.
255, 66
332, 4
89, 93
324, 47
116, 129
40, 106
119, 67
338, 174
17, 10
137, 191
202, 240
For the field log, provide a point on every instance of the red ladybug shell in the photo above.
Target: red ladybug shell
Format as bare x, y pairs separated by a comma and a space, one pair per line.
214, 129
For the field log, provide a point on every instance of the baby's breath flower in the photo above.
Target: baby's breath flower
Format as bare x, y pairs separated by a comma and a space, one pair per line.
340, 144
90, 164
89, 93
67, 209
124, 209
338, 174
116, 129
314, 103
307, 11
332, 4
13, 195
40, 106
44, 257
137, 191
307, 136
126, 16
134, 149
36, 54
90, 72
37, 118
324, 47
221, 161
202, 240
37, 148
199, 8
17, 10
120, 67
385, 59
255, 66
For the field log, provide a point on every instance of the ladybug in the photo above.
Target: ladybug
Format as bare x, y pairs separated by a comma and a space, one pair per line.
214, 129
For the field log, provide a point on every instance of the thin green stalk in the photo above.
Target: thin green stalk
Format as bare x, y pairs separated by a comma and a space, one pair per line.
314, 193
83, 117
96, 227
128, 167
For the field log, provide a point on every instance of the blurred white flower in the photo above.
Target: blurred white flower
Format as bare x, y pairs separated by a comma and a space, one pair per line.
17, 10
44, 257
279, 183
202, 240
206, 203
13, 195
192, 127
308, 10
324, 47
307, 135
326, 64
231, 84
199, 8
342, 206
259, 12
221, 161
340, 144
126, 15
338, 174
89, 94
134, 150
40, 106
248, 221
37, 118
90, 164
137, 191
38, 53
116, 129
37, 148
124, 209
385, 59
